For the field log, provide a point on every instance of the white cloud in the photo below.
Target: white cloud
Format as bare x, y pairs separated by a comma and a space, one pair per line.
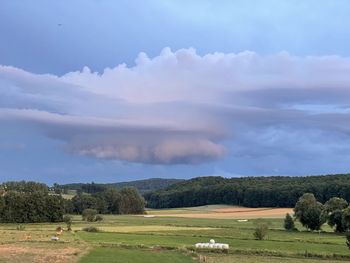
180, 107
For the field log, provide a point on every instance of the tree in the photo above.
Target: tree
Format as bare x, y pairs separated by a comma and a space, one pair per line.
56, 188
289, 223
131, 201
89, 215
333, 213
309, 212
68, 219
346, 219
29, 202
113, 198
335, 203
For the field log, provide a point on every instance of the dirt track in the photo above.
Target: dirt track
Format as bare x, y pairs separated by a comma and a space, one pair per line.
239, 212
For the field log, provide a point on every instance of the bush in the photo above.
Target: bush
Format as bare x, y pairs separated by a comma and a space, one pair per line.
289, 223
99, 218
89, 215
68, 220
91, 229
261, 230
20, 227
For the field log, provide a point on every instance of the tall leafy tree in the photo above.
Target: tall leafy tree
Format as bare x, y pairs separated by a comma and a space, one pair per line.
333, 213
309, 212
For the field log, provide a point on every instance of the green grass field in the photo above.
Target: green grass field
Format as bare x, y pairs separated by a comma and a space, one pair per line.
122, 255
168, 239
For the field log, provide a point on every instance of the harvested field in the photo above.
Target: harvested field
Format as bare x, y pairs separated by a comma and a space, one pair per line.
36, 252
231, 212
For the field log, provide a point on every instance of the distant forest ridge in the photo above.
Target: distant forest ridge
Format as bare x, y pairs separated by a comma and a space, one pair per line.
273, 191
142, 186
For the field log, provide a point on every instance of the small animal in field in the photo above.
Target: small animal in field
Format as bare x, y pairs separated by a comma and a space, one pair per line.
59, 231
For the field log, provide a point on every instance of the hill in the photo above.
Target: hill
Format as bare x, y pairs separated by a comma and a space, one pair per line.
142, 186
274, 191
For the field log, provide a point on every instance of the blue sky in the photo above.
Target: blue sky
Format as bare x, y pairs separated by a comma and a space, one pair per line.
193, 103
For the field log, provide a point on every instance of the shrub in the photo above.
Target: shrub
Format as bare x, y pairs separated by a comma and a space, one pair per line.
68, 220
91, 229
89, 215
261, 230
20, 227
99, 218
289, 223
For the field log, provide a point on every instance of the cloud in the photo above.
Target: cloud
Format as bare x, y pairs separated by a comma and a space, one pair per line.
180, 107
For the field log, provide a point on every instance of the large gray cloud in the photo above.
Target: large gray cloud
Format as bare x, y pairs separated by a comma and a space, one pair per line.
180, 107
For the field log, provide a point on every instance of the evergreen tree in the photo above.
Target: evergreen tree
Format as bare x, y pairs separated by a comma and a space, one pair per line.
289, 223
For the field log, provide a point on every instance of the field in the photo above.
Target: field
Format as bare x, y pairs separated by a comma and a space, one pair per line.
169, 235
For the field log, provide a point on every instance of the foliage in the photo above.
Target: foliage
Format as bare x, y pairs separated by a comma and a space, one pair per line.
333, 213
111, 201
309, 212
261, 229
346, 218
29, 202
289, 223
276, 191
92, 229
99, 218
21, 227
142, 186
68, 219
89, 215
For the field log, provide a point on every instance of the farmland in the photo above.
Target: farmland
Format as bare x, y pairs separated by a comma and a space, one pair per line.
169, 235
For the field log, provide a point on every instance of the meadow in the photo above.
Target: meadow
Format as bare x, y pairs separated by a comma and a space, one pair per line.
167, 236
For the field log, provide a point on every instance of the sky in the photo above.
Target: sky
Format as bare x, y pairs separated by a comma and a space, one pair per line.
109, 91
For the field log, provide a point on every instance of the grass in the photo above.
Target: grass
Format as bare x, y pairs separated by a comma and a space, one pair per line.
122, 255
260, 259
158, 239
175, 241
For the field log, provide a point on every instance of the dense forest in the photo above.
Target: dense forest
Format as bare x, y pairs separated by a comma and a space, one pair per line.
30, 202
274, 191
142, 186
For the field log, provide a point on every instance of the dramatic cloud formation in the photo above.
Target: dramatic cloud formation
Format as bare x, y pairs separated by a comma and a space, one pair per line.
180, 107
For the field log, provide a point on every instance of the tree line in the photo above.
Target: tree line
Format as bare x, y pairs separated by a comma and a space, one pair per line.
279, 191
30, 202
142, 186
109, 201
312, 214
